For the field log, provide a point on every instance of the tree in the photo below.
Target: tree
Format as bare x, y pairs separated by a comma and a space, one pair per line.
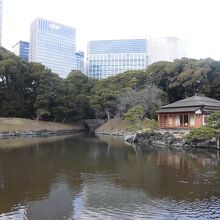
49, 94
105, 93
214, 120
150, 98
13, 76
104, 101
135, 115
78, 91
30, 89
185, 77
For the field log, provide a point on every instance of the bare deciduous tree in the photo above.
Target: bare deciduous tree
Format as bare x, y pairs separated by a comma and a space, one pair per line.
149, 98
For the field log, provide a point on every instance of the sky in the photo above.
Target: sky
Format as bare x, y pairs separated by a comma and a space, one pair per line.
195, 21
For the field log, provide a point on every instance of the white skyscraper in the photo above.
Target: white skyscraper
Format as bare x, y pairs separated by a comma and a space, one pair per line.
1, 8
167, 49
53, 45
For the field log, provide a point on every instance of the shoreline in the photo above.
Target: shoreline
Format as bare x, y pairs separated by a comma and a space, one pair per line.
155, 138
161, 138
40, 133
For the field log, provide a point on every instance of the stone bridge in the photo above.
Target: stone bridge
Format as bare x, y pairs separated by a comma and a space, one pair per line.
92, 124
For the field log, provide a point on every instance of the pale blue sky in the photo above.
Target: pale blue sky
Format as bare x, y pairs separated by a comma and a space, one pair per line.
195, 21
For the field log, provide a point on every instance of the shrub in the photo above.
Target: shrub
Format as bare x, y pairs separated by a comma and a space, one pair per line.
200, 133
148, 124
134, 114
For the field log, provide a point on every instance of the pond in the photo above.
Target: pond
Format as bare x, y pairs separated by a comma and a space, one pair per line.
89, 177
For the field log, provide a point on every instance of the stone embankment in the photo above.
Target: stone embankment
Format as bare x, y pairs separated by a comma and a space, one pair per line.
163, 137
158, 137
43, 132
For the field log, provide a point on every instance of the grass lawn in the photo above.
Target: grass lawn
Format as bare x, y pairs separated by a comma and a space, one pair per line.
19, 124
116, 124
123, 125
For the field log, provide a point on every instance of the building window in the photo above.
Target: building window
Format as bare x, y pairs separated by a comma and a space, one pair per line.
184, 120
204, 119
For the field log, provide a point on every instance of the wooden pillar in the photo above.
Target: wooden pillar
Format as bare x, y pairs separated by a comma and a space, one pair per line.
162, 120
189, 114
218, 142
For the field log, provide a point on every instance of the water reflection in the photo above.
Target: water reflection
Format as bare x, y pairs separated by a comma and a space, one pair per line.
85, 177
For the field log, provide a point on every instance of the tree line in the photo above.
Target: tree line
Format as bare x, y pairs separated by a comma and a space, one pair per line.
31, 90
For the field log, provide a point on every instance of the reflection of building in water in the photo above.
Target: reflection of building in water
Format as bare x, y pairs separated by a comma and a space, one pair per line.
169, 160
180, 159
2, 182
207, 162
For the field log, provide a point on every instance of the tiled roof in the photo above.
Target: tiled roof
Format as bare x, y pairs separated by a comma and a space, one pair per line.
194, 101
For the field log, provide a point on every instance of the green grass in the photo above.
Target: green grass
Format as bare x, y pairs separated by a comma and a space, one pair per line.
19, 124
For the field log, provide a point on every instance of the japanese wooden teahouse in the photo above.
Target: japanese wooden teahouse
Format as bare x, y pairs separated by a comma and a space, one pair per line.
187, 113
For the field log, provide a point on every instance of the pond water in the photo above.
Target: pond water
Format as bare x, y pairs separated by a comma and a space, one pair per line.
88, 177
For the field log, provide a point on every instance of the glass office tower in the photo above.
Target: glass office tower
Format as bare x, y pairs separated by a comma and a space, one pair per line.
53, 45
21, 49
80, 61
1, 8
110, 57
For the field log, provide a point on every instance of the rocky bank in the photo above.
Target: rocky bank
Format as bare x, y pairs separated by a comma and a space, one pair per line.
43, 132
165, 137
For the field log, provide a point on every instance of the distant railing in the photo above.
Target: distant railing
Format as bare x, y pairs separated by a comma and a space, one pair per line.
167, 125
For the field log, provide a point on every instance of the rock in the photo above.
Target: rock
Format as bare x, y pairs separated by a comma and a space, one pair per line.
213, 140
130, 137
43, 132
201, 143
159, 142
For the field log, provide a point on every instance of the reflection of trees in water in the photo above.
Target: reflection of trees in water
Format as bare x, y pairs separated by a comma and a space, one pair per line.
29, 173
170, 172
44, 170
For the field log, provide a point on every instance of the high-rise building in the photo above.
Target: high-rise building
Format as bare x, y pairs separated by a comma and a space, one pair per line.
21, 49
110, 57
167, 49
53, 45
1, 8
80, 61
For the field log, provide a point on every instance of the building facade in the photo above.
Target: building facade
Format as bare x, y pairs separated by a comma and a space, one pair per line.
53, 45
110, 57
1, 11
21, 49
187, 113
167, 49
80, 61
